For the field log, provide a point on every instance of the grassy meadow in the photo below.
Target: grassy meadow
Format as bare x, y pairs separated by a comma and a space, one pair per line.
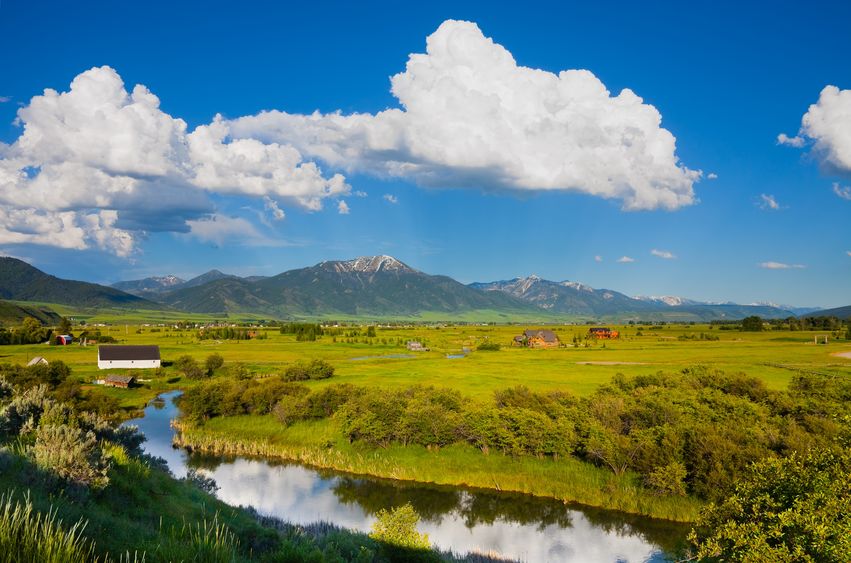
580, 367
774, 356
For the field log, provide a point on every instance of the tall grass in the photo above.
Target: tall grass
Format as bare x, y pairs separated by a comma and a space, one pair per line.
209, 541
28, 535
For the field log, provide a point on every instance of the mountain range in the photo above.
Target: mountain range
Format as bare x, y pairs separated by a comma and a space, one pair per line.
368, 287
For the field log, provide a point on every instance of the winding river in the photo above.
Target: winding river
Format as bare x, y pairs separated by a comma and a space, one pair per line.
518, 526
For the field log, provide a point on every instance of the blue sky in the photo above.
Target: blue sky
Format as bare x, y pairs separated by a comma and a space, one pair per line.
727, 78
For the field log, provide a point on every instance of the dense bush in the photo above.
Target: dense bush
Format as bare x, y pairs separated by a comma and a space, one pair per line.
71, 454
315, 369
489, 347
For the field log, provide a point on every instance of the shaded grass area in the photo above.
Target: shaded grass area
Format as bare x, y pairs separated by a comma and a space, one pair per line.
319, 444
144, 514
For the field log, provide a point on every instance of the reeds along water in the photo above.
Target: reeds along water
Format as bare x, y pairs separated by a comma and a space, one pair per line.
566, 480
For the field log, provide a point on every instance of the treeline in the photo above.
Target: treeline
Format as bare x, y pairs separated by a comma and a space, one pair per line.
304, 332
225, 333
30, 332
692, 432
58, 385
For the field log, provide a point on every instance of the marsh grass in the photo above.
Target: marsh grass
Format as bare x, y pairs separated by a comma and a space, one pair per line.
314, 444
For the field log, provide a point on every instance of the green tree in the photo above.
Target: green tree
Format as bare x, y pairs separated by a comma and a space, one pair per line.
752, 324
64, 326
214, 362
789, 509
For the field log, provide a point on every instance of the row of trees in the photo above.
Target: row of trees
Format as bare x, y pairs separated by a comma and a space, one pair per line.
690, 432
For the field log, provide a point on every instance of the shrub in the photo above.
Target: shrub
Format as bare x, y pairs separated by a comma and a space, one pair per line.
489, 346
315, 369
214, 362
71, 454
399, 528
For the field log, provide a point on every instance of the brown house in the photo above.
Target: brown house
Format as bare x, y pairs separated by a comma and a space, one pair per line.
539, 338
603, 333
123, 381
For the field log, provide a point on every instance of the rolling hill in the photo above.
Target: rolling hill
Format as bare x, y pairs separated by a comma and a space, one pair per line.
839, 312
12, 314
21, 282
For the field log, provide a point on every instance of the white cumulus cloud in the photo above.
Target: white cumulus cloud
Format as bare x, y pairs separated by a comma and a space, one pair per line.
101, 159
663, 254
626, 260
390, 198
471, 117
780, 266
796, 141
827, 124
342, 207
712, 176
272, 207
598, 258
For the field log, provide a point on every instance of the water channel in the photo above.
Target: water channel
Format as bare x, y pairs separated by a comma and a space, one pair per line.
518, 526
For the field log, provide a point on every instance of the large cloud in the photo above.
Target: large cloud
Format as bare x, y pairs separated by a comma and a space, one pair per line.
827, 125
98, 165
472, 117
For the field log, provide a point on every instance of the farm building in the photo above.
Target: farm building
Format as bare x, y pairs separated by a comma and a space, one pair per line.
128, 357
415, 346
64, 339
123, 381
603, 333
538, 339
38, 361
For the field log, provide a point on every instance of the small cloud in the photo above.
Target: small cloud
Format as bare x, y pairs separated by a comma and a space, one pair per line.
796, 141
359, 193
342, 207
848, 252
626, 260
780, 266
842, 191
222, 230
272, 206
4, 99
712, 176
390, 198
663, 254
598, 258
767, 201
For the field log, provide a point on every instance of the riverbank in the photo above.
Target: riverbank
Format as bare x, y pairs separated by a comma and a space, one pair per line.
319, 444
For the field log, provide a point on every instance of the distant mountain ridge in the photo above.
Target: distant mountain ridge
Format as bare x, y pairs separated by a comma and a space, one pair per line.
20, 281
380, 286
369, 287
574, 298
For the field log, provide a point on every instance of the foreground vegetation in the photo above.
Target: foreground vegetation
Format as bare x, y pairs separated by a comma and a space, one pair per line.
76, 488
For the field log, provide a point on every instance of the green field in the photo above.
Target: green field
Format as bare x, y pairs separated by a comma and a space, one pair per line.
773, 356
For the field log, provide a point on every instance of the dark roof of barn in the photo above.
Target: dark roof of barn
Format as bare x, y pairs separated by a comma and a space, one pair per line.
128, 379
128, 352
547, 335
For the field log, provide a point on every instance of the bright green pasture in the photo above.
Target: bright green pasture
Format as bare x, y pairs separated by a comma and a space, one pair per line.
774, 356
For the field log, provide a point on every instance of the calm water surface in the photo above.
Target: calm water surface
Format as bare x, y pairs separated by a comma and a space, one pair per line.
519, 526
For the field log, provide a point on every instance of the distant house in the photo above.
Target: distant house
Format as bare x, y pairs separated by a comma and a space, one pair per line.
539, 338
603, 333
128, 357
64, 339
415, 346
123, 381
38, 361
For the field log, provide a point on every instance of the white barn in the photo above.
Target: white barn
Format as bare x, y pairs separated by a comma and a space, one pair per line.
128, 357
